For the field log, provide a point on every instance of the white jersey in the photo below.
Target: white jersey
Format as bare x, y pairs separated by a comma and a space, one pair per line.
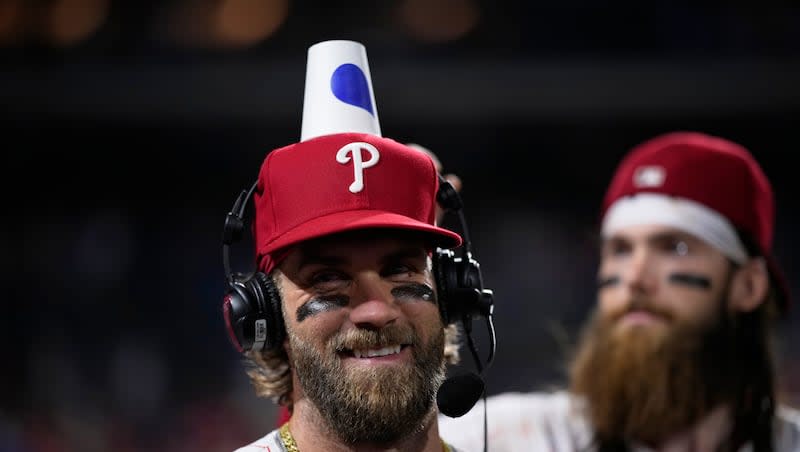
552, 422
271, 442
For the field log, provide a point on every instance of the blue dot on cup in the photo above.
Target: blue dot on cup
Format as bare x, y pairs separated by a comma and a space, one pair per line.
349, 85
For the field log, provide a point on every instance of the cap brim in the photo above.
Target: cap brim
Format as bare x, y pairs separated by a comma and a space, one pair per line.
359, 219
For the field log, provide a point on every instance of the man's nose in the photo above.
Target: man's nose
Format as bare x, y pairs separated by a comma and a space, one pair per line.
374, 305
639, 273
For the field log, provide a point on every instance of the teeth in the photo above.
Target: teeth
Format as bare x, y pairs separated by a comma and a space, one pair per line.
379, 352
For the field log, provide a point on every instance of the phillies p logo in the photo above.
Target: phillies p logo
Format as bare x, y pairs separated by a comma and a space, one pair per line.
352, 151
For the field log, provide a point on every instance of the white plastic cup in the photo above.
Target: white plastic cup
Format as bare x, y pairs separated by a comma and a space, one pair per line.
338, 93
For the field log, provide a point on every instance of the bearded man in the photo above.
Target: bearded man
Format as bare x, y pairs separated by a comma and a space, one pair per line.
350, 318
678, 354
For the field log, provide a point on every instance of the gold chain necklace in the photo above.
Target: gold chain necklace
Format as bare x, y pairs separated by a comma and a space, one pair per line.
288, 439
291, 445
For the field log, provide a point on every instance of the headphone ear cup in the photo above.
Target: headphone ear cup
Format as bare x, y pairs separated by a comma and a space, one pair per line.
252, 312
271, 305
238, 310
444, 273
460, 286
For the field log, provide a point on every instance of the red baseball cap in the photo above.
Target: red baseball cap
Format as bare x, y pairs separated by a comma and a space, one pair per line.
707, 185
342, 182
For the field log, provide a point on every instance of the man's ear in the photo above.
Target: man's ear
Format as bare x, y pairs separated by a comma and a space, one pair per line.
750, 285
278, 278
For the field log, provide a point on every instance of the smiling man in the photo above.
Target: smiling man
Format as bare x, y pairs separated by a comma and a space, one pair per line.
677, 356
342, 323
365, 336
355, 346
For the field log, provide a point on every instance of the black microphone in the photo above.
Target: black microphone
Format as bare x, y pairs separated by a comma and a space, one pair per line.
459, 393
468, 299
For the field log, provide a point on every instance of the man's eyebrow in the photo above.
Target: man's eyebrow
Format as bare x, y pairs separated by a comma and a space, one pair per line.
310, 257
613, 240
672, 235
656, 237
315, 258
409, 252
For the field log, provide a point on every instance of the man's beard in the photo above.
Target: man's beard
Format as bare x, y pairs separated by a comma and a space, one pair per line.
378, 404
648, 383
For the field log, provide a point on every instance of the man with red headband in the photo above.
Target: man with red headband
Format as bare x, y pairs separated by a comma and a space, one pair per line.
677, 354
344, 322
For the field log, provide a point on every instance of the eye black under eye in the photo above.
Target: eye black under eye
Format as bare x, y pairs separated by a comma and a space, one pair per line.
607, 281
321, 304
413, 292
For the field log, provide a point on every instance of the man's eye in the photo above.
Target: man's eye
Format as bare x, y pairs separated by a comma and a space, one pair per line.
619, 249
398, 269
615, 249
327, 279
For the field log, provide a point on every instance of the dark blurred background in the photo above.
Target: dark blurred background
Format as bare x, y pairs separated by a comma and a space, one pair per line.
130, 127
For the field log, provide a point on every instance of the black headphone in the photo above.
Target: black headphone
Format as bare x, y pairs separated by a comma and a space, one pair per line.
252, 306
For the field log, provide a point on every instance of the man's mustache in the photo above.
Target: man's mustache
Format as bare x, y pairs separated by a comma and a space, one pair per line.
363, 338
645, 306
694, 280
